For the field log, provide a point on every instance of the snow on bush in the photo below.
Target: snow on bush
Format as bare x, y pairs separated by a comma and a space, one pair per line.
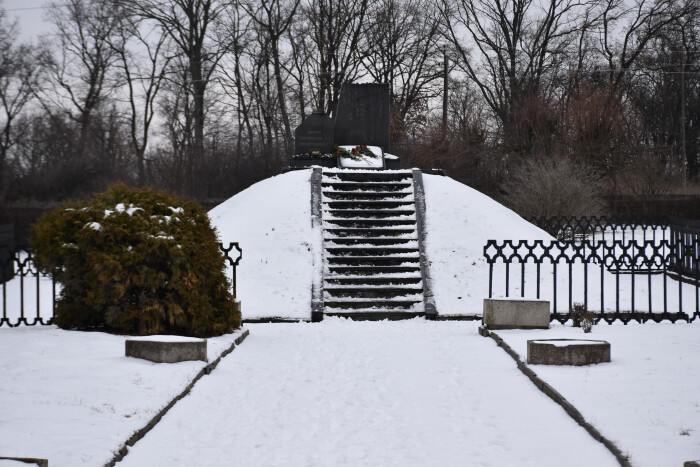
136, 261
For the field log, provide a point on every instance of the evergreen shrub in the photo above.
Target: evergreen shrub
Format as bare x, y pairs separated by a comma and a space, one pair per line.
136, 261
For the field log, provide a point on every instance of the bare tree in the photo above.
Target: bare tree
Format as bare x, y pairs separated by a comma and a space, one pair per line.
190, 24
274, 18
144, 64
80, 73
21, 74
337, 28
403, 50
515, 45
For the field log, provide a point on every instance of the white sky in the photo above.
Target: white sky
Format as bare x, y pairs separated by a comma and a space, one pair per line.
30, 14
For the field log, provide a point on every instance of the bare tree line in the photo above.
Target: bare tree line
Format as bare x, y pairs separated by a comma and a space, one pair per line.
201, 97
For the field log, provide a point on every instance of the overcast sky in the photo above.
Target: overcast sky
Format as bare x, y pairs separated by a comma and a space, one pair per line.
30, 14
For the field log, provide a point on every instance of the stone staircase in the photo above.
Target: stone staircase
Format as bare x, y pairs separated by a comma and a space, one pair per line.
372, 263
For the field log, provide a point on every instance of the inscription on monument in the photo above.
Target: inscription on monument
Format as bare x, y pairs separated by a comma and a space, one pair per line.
314, 134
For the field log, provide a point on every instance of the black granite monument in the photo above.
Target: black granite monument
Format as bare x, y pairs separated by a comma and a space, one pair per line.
363, 115
315, 134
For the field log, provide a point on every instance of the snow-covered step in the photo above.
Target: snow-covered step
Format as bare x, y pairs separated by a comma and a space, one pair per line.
389, 260
406, 292
369, 232
364, 242
375, 315
367, 223
366, 270
374, 205
360, 196
381, 250
413, 304
368, 186
364, 214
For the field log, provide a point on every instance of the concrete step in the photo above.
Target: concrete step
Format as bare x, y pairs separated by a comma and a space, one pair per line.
376, 292
387, 232
379, 205
372, 260
368, 186
375, 315
362, 176
340, 304
364, 270
383, 280
369, 195
398, 214
362, 242
367, 223
371, 251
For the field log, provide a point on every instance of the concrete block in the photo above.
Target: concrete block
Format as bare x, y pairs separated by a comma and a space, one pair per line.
515, 314
691, 464
167, 349
26, 461
574, 352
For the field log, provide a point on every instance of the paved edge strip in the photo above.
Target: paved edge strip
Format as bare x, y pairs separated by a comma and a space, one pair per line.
419, 201
558, 398
124, 450
316, 223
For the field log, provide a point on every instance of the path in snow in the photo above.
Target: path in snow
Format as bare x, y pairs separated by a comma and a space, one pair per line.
358, 393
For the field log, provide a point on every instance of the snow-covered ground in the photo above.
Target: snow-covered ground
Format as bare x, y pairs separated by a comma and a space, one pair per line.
412, 393
74, 398
271, 221
646, 400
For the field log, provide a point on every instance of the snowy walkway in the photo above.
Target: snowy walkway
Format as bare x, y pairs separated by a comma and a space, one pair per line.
358, 393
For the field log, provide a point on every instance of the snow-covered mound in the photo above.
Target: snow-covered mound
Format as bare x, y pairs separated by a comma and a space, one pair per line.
272, 222
459, 222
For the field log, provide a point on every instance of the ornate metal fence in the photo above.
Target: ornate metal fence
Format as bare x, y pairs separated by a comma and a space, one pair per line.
685, 238
29, 297
604, 228
618, 280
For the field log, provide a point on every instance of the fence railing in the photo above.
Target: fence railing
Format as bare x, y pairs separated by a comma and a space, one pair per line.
602, 228
29, 297
617, 280
685, 237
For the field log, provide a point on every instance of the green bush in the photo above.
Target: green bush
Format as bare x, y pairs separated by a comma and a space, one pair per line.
136, 261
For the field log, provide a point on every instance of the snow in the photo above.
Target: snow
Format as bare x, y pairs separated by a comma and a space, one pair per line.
345, 393
646, 399
459, 221
165, 338
364, 161
350, 393
568, 342
74, 398
271, 221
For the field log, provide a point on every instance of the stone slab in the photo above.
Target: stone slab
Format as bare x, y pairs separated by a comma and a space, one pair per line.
691, 464
314, 134
515, 314
171, 350
574, 352
363, 115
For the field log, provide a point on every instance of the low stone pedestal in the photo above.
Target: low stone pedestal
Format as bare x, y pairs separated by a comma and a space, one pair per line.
167, 349
515, 314
574, 352
26, 461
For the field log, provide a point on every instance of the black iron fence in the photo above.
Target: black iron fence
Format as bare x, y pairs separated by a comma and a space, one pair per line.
29, 297
685, 238
602, 228
617, 280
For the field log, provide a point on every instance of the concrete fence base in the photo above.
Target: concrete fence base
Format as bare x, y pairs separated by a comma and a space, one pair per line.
516, 314
574, 352
167, 351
